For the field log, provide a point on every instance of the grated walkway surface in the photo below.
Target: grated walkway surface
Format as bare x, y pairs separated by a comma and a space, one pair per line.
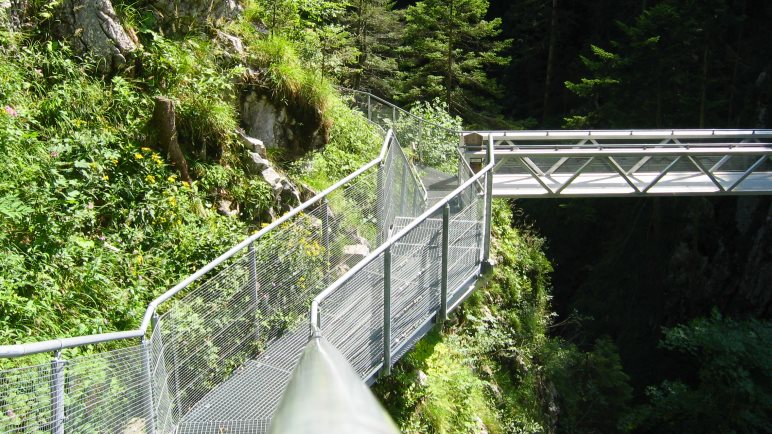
257, 387
259, 384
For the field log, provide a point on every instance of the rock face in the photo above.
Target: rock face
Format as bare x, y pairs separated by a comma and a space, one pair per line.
92, 28
286, 194
725, 258
276, 127
265, 121
181, 16
13, 13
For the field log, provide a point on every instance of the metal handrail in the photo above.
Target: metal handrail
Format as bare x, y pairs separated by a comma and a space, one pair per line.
485, 171
397, 108
603, 150
628, 134
53, 345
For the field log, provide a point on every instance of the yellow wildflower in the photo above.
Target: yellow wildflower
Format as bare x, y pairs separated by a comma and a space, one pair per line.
146, 149
171, 178
105, 177
138, 156
150, 179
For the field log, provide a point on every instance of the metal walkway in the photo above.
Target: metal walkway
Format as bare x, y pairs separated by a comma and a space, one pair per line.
371, 264
628, 163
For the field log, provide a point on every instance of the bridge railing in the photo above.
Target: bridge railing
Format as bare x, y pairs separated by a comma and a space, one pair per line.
632, 162
205, 327
378, 309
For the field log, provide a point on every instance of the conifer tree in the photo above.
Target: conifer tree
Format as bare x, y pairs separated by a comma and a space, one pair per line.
376, 30
449, 51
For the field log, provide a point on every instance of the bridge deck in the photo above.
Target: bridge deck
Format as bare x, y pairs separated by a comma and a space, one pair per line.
611, 184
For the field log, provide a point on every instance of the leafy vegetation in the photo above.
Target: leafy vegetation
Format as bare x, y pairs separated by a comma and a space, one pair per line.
484, 371
731, 389
94, 221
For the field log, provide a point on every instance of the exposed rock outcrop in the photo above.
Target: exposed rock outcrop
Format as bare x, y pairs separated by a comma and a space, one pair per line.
13, 14
286, 194
277, 127
92, 28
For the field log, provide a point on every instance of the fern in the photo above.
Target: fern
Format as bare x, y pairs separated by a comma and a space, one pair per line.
14, 209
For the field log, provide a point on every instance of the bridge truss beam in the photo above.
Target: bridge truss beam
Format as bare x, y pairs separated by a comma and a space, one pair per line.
629, 163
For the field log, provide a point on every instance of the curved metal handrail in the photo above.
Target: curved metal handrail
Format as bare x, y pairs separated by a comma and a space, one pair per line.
54, 345
314, 312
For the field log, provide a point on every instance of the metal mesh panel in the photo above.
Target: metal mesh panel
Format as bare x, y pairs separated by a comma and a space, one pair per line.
256, 309
416, 265
220, 355
401, 192
465, 240
108, 392
25, 399
352, 318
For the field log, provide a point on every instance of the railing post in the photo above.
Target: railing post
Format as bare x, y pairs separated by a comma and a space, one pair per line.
175, 369
147, 368
57, 393
488, 211
326, 240
369, 109
386, 312
488, 205
379, 205
403, 188
255, 286
413, 200
443, 315
420, 134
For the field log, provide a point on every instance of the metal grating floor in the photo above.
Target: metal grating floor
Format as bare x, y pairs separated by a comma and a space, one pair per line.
257, 387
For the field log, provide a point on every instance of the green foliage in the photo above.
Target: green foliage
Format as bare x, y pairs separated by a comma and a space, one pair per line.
353, 142
663, 63
732, 389
486, 370
593, 390
189, 72
433, 133
442, 393
93, 223
449, 48
376, 28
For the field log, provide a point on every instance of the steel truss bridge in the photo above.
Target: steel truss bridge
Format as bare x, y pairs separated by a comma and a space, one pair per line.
370, 264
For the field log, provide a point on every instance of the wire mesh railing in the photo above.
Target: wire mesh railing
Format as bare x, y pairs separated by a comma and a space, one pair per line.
377, 310
247, 310
234, 310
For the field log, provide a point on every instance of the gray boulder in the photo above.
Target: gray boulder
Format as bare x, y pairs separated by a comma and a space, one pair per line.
92, 28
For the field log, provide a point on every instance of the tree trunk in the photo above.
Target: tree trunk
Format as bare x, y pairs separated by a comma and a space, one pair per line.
166, 129
736, 68
362, 44
449, 73
704, 90
550, 60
